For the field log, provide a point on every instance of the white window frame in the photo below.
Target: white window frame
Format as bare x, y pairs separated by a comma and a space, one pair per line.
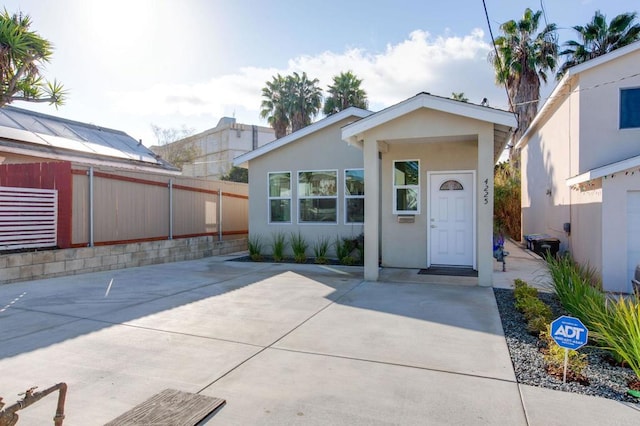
269, 197
350, 197
622, 89
397, 187
301, 197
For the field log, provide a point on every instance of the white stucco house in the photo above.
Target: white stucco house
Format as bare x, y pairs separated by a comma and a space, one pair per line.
581, 166
427, 167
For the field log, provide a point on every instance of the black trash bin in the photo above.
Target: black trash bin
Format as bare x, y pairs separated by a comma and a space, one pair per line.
544, 246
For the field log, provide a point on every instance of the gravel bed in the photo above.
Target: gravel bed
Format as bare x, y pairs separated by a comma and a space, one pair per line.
605, 380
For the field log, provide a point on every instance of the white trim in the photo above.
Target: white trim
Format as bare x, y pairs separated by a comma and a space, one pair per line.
474, 219
285, 140
346, 197
395, 187
318, 197
620, 166
269, 198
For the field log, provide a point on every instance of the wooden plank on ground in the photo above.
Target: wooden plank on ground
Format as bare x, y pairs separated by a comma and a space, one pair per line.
169, 407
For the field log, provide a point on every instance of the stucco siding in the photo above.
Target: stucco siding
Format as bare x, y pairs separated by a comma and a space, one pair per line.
586, 237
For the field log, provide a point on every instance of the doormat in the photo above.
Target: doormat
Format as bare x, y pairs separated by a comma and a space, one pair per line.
170, 407
448, 270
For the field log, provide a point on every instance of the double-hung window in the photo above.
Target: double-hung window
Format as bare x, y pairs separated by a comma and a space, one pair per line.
354, 195
630, 108
406, 187
280, 197
317, 196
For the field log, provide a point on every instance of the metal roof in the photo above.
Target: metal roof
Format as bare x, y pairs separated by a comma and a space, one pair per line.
54, 132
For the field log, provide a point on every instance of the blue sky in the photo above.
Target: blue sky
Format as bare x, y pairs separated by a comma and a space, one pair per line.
130, 63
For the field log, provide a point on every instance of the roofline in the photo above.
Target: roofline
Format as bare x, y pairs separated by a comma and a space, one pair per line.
572, 72
426, 100
598, 172
312, 128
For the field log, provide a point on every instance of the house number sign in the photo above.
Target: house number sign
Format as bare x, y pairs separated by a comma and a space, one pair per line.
486, 191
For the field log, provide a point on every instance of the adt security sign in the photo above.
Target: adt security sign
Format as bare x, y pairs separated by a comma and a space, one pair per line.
569, 332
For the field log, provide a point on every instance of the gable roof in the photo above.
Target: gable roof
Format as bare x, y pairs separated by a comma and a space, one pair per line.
32, 133
292, 137
503, 121
563, 88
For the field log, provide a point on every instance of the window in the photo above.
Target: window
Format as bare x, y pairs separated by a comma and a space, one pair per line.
451, 185
406, 187
354, 196
280, 197
630, 108
317, 196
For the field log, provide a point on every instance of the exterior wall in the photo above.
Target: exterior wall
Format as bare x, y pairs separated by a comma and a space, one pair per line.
57, 263
586, 237
601, 139
321, 150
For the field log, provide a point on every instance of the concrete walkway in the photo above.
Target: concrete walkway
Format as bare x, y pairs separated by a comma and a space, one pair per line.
283, 344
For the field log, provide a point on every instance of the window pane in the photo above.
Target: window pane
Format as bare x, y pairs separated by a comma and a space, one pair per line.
354, 182
280, 210
318, 210
406, 199
451, 185
405, 173
317, 184
629, 108
279, 184
355, 210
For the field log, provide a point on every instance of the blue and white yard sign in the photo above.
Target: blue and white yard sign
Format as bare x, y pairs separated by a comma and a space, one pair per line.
569, 332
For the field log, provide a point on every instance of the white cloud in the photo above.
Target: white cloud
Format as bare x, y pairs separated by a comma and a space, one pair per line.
439, 65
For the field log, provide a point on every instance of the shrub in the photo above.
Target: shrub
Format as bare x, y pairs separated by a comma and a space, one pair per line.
554, 359
537, 325
278, 244
320, 249
255, 247
347, 260
342, 248
535, 308
536, 312
299, 246
506, 200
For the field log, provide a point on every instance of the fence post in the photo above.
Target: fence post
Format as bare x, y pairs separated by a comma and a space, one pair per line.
171, 209
91, 224
219, 214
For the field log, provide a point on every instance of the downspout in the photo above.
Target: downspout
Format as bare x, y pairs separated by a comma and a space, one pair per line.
219, 214
91, 192
171, 209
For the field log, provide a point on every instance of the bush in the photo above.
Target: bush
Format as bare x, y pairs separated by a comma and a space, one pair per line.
320, 249
342, 248
506, 200
299, 246
536, 312
255, 247
278, 244
554, 359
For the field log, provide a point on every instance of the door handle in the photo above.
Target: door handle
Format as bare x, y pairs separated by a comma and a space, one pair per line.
433, 226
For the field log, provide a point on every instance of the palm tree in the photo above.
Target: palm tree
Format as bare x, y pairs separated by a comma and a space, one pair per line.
523, 59
598, 38
275, 105
344, 93
304, 100
22, 52
459, 97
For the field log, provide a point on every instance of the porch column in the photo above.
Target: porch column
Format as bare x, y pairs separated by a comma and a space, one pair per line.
485, 208
371, 210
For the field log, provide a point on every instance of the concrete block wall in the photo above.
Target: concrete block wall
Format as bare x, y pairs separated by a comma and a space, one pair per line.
55, 263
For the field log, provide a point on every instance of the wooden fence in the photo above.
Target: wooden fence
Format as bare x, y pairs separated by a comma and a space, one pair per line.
102, 206
28, 218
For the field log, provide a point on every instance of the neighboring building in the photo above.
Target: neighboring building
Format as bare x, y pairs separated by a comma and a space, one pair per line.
31, 137
581, 166
427, 168
216, 148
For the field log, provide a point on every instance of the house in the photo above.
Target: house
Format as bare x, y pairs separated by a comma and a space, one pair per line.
427, 166
216, 148
31, 137
581, 166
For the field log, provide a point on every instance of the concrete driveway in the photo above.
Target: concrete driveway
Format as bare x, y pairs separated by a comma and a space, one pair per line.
283, 344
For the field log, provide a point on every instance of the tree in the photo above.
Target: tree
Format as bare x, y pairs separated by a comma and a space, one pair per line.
598, 38
290, 102
237, 174
22, 53
345, 92
170, 146
275, 105
523, 59
459, 97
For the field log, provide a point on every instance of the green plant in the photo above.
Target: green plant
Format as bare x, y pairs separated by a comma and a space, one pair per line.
537, 325
255, 247
278, 244
535, 308
342, 247
320, 249
299, 246
523, 291
554, 359
347, 260
506, 200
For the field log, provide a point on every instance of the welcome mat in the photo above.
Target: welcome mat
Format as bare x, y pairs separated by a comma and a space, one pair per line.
170, 407
448, 270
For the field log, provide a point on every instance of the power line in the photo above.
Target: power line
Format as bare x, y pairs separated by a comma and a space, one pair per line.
495, 49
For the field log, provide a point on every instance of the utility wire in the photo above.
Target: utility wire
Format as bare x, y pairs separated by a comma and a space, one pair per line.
495, 49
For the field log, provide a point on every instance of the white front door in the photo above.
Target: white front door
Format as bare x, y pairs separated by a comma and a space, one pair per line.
451, 216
